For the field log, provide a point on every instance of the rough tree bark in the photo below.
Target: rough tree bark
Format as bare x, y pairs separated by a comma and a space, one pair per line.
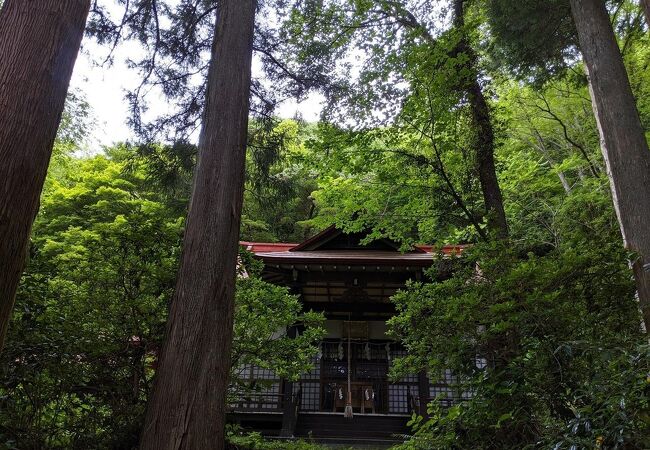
39, 42
186, 409
482, 123
623, 141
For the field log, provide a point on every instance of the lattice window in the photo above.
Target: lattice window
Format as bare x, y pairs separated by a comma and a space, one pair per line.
443, 394
401, 353
449, 378
310, 395
403, 395
466, 395
412, 378
270, 397
378, 353
451, 385
398, 399
243, 372
258, 373
314, 373
259, 389
368, 370
250, 372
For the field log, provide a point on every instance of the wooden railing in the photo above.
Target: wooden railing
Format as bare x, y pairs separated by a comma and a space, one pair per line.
257, 401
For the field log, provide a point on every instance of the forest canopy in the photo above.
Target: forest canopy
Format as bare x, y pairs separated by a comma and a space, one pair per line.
460, 122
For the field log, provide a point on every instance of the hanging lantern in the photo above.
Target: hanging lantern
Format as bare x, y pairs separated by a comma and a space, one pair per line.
340, 351
368, 351
388, 351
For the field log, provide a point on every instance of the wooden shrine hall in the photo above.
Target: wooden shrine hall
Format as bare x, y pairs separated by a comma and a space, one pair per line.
351, 283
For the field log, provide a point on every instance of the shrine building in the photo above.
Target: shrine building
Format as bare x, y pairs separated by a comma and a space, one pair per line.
351, 283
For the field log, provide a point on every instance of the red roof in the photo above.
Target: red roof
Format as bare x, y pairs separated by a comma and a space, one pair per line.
323, 248
272, 247
267, 247
449, 249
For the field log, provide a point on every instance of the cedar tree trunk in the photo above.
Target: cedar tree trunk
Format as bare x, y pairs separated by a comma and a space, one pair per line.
484, 140
186, 409
645, 4
623, 142
39, 42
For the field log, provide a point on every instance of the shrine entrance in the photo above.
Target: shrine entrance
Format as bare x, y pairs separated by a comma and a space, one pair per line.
325, 388
368, 369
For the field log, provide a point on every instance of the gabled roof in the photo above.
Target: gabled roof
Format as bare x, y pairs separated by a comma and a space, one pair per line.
333, 238
332, 246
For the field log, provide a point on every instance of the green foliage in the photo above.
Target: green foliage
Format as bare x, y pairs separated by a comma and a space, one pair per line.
540, 331
240, 440
633, 41
168, 167
406, 139
278, 184
522, 40
550, 315
277, 187
551, 163
537, 41
77, 122
547, 349
415, 179
271, 308
91, 310
392, 181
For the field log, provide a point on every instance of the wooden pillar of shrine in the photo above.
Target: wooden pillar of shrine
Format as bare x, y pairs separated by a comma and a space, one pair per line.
289, 406
423, 393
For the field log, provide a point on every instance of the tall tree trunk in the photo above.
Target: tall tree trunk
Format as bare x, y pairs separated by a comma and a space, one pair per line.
645, 5
187, 406
623, 142
39, 42
482, 123
541, 146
